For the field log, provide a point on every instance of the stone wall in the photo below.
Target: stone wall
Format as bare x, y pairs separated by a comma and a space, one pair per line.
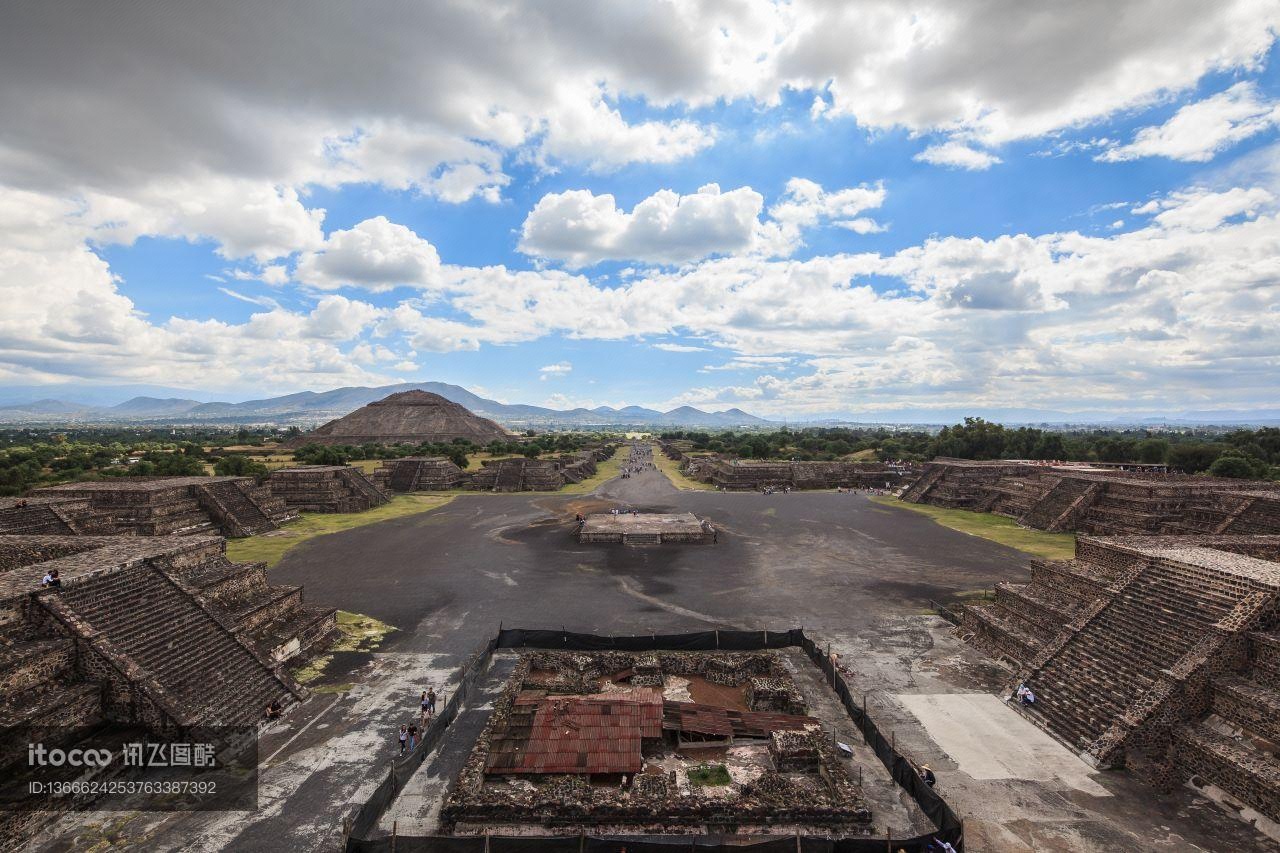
652, 803
325, 488
163, 506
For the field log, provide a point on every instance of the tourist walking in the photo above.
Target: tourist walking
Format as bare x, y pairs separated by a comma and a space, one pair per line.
413, 737
431, 702
404, 737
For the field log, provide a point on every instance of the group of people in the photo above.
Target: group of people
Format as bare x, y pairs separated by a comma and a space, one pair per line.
1024, 695
640, 461
410, 733
51, 579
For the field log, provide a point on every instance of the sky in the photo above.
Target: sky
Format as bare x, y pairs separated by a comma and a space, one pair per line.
802, 209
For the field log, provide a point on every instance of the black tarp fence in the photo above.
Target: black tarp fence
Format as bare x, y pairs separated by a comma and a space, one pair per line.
949, 826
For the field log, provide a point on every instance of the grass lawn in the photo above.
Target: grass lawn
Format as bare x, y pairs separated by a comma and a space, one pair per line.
606, 470
476, 460
709, 774
997, 528
270, 547
356, 633
671, 468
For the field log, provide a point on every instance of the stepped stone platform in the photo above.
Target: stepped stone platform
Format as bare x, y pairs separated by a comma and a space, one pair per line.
1098, 500
753, 475
418, 473
436, 473
325, 488
162, 506
1156, 653
48, 514
158, 634
645, 528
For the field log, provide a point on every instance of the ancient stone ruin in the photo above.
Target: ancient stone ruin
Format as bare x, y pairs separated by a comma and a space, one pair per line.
645, 528
1100, 501
757, 474
651, 743
418, 474
436, 473
48, 514
1160, 654
157, 633
325, 488
408, 417
160, 506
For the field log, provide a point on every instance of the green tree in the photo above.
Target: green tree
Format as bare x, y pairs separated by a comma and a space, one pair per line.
1192, 458
239, 466
1153, 451
1230, 464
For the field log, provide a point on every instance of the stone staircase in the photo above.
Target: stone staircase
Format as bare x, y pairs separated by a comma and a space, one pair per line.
1061, 499
1236, 747
1125, 655
168, 646
918, 490
32, 519
509, 475
641, 539
273, 620
404, 476
234, 511
360, 485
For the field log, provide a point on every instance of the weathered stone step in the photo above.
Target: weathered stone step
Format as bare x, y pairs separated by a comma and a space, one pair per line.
1249, 704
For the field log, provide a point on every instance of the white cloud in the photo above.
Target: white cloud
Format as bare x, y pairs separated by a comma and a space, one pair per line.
581, 228
65, 316
805, 204
957, 155
375, 254
555, 371
1182, 308
264, 301
926, 66
592, 132
679, 348
245, 218
1202, 210
1200, 130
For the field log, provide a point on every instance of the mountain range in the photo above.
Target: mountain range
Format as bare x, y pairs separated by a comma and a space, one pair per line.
310, 407
159, 404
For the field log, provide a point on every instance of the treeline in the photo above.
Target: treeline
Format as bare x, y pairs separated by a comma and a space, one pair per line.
1243, 453
25, 467
457, 451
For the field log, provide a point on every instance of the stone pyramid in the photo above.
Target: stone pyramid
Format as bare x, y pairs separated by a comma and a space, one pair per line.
409, 417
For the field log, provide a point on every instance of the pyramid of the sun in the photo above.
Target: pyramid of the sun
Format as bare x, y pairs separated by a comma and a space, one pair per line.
409, 417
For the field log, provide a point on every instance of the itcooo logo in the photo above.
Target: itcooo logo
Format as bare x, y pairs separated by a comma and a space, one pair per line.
38, 755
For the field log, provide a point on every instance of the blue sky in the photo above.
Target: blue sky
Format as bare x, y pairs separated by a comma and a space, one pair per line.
797, 209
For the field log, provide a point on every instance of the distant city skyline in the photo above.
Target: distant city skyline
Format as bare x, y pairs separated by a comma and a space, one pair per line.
799, 210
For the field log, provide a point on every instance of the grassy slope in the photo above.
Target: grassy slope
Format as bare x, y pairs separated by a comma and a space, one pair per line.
272, 546
606, 470
671, 468
997, 528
